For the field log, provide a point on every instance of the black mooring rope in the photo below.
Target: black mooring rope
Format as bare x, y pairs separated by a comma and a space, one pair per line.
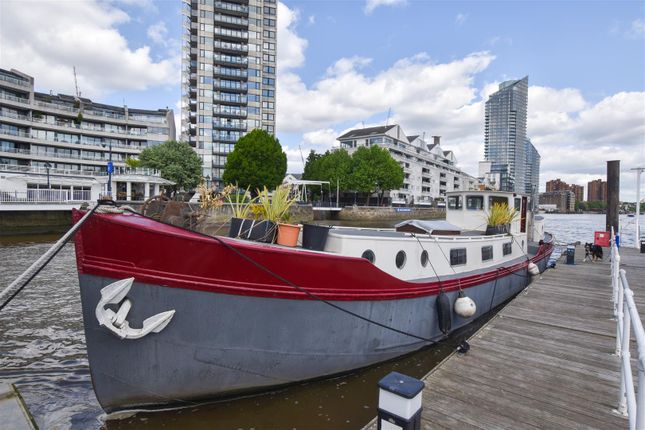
291, 284
19, 284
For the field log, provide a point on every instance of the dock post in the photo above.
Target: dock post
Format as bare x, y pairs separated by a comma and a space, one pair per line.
613, 195
399, 402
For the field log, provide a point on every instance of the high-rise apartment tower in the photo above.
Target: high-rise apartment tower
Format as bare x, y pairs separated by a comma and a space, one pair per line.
228, 75
505, 141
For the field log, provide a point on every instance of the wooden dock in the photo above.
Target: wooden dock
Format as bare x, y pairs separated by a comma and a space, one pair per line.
545, 361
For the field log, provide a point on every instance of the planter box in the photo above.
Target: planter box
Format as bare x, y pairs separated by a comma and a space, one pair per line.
259, 231
314, 236
497, 229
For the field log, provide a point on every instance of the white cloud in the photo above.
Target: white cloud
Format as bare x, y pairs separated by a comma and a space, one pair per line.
157, 33
371, 5
311, 20
461, 18
291, 47
46, 39
637, 29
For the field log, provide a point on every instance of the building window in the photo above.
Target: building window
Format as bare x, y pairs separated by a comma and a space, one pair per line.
457, 256
508, 248
487, 253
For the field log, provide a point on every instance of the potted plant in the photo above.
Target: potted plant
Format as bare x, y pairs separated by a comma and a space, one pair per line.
499, 218
287, 233
276, 211
241, 208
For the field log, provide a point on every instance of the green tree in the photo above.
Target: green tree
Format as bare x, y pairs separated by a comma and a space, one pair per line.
332, 166
256, 161
374, 170
312, 171
177, 162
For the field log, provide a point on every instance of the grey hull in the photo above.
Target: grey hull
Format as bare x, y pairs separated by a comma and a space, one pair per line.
218, 344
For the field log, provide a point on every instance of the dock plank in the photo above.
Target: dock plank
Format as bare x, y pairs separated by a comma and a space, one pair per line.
545, 361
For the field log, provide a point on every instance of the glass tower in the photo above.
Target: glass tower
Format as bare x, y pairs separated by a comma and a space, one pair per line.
505, 133
228, 75
532, 168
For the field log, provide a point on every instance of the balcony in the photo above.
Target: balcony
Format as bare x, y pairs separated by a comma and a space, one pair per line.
229, 111
230, 125
231, 20
231, 86
236, 73
234, 34
229, 59
15, 81
229, 46
231, 7
45, 196
6, 96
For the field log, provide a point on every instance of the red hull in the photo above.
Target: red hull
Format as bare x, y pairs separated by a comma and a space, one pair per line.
122, 246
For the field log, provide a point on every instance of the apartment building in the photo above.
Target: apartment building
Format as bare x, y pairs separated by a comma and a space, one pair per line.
228, 75
62, 142
429, 170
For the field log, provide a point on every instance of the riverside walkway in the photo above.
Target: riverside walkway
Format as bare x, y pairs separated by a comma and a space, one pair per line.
545, 361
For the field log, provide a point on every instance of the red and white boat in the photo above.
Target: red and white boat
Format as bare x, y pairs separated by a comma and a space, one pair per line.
174, 316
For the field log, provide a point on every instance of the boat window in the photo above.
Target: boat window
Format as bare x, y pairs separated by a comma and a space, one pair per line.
454, 202
487, 253
518, 204
475, 203
508, 248
400, 259
424, 258
369, 256
497, 200
457, 256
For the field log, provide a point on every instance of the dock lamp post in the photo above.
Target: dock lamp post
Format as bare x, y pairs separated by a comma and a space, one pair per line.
638, 170
110, 169
399, 402
48, 166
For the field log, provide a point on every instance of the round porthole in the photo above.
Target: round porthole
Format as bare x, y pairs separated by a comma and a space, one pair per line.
400, 259
424, 258
369, 256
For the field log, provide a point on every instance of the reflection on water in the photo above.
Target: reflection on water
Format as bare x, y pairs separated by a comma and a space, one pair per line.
43, 352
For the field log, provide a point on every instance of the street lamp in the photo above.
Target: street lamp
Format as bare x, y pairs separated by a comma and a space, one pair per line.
110, 168
48, 166
638, 170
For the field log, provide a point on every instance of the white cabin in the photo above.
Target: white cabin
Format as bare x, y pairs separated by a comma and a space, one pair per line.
440, 250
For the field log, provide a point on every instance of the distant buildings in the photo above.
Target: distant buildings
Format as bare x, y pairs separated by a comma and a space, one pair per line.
56, 147
559, 185
228, 75
532, 171
430, 171
564, 200
505, 133
597, 191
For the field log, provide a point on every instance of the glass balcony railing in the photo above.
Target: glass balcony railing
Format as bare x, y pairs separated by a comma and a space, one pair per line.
13, 80
14, 98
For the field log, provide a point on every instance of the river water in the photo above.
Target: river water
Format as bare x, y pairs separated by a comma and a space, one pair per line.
42, 350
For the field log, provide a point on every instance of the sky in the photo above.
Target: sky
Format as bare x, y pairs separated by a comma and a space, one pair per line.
426, 65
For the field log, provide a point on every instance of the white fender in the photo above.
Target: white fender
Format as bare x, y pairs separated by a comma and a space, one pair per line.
465, 306
533, 269
116, 321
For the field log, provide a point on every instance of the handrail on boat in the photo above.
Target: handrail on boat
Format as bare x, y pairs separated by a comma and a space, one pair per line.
630, 403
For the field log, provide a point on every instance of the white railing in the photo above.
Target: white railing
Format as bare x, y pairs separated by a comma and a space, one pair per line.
629, 403
45, 196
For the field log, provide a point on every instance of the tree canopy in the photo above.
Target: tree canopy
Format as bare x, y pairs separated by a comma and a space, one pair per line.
374, 170
332, 166
256, 161
177, 162
369, 169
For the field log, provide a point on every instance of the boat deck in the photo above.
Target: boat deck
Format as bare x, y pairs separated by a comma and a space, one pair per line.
545, 361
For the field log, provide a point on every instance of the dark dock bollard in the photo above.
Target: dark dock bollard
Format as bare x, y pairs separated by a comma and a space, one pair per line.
399, 402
